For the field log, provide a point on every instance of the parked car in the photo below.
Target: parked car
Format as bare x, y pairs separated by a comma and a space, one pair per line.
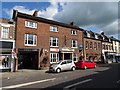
62, 65
85, 64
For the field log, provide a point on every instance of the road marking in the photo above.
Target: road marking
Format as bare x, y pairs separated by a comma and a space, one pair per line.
29, 83
75, 84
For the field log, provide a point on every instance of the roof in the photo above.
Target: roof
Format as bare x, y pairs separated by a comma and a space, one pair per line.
4, 20
40, 19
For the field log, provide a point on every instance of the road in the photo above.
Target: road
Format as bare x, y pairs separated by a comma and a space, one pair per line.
104, 76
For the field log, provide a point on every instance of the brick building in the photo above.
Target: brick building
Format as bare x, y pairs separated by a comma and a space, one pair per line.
41, 42
7, 42
92, 46
108, 55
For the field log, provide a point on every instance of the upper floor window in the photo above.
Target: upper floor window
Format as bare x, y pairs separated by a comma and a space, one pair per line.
96, 36
30, 40
5, 32
98, 46
88, 34
74, 43
95, 46
73, 32
103, 46
53, 42
115, 42
30, 24
91, 46
86, 44
53, 29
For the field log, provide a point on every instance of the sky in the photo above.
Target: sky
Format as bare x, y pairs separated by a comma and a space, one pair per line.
94, 15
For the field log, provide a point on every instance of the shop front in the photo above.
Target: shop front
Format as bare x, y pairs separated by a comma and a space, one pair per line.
28, 58
67, 53
117, 57
110, 57
6, 60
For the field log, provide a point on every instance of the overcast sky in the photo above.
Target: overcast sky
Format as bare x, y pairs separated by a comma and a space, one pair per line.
94, 16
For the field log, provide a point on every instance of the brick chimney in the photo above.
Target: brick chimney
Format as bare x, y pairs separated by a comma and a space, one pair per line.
72, 23
35, 13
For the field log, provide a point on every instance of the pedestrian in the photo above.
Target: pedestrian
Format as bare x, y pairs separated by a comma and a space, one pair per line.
6, 61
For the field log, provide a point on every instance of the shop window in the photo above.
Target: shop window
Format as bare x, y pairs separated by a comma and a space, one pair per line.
5, 32
53, 42
30, 40
30, 24
74, 43
54, 57
53, 29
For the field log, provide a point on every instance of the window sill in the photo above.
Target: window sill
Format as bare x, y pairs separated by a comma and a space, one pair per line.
29, 45
74, 47
54, 46
31, 27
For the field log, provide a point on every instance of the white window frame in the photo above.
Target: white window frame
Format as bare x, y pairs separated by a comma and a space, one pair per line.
86, 44
96, 36
53, 29
95, 45
5, 34
76, 45
51, 41
52, 58
30, 24
90, 45
34, 37
75, 56
88, 34
73, 32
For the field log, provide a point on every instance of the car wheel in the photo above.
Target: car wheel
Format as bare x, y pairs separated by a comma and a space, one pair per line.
58, 70
95, 66
73, 69
85, 67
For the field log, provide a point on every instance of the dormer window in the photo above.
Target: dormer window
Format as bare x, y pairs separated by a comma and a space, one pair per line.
96, 36
103, 38
109, 40
88, 34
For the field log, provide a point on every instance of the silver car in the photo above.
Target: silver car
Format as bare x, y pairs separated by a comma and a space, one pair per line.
63, 65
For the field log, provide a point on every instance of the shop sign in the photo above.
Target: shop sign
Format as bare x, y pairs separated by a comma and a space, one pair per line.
67, 49
28, 50
81, 47
54, 50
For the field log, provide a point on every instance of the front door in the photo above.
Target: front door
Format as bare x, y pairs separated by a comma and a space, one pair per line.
67, 56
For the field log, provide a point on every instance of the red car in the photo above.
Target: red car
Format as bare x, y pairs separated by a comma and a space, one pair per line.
85, 64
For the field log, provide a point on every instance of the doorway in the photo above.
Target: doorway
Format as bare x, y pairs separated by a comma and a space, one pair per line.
29, 60
67, 56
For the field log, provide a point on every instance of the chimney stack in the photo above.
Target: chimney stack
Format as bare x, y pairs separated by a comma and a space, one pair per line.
35, 13
102, 33
72, 23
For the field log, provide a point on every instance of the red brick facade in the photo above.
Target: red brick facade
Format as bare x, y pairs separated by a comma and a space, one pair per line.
43, 34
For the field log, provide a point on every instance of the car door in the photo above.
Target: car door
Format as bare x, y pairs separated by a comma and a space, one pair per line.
63, 65
88, 64
69, 64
